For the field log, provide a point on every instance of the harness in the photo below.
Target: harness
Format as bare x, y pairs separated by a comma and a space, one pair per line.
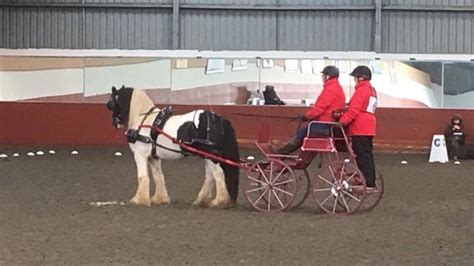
134, 134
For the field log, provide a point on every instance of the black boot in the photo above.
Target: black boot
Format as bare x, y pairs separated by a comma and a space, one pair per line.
291, 146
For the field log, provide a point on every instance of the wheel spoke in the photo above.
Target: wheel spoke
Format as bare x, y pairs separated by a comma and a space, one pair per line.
342, 171
279, 174
325, 180
261, 196
322, 189
255, 189
282, 191
332, 173
283, 182
269, 199
352, 176
270, 175
326, 199
264, 176
345, 203
256, 180
335, 203
276, 196
350, 195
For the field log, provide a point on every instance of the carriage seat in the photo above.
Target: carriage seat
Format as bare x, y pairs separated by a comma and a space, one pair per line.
318, 144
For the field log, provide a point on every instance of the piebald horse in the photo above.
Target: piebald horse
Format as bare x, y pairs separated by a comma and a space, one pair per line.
201, 129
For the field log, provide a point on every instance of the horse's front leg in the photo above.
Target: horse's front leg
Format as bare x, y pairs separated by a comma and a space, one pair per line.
161, 194
142, 196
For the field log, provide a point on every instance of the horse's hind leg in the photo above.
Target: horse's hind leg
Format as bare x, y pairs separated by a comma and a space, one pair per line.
222, 198
161, 195
205, 195
142, 196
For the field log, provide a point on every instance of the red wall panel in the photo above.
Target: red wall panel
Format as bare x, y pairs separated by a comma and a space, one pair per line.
47, 124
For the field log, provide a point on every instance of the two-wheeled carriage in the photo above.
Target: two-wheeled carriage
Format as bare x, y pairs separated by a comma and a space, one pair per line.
281, 182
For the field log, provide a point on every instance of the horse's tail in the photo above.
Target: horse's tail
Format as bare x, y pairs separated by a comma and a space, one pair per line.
230, 151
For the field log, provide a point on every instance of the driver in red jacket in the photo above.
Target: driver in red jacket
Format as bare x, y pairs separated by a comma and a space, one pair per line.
331, 98
360, 119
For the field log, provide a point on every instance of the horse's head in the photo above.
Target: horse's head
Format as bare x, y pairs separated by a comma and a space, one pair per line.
119, 104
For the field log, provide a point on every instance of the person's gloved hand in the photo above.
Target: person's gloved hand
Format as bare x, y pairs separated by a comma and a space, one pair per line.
339, 124
303, 118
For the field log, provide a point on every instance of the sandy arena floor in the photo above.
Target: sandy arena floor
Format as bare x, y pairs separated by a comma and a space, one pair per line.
425, 218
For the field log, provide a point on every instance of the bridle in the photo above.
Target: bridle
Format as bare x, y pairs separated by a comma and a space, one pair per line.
114, 106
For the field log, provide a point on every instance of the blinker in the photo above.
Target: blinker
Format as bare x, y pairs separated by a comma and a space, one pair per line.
111, 105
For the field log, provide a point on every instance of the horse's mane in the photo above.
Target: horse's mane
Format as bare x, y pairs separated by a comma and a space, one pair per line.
139, 104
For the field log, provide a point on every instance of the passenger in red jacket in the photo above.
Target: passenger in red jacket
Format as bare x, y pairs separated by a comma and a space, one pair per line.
360, 119
331, 98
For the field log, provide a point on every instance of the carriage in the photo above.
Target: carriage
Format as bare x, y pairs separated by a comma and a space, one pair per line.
281, 182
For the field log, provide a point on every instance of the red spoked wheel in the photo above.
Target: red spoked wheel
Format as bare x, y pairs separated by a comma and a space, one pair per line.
304, 187
339, 188
374, 196
270, 185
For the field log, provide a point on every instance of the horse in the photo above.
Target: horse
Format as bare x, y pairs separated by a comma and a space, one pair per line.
205, 130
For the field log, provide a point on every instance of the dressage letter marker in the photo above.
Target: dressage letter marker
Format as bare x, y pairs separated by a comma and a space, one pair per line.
438, 152
118, 154
74, 152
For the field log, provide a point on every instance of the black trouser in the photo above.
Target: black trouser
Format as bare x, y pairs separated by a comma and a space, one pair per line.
456, 147
362, 146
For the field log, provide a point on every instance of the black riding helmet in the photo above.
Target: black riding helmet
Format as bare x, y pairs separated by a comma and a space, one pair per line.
362, 72
331, 71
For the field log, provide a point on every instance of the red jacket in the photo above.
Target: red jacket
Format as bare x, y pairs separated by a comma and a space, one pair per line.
360, 115
331, 98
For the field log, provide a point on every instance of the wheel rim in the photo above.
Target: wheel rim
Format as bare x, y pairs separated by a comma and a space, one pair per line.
373, 198
304, 187
339, 188
270, 186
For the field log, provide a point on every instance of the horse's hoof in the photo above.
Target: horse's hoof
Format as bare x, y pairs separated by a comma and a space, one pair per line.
160, 201
140, 202
220, 204
202, 203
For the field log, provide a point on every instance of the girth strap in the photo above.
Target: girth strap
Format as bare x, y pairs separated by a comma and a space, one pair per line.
159, 122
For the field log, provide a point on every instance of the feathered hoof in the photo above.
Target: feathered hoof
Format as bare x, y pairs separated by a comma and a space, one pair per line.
202, 203
221, 204
140, 202
160, 201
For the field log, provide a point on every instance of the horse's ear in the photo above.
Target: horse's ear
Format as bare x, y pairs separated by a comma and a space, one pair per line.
123, 87
114, 90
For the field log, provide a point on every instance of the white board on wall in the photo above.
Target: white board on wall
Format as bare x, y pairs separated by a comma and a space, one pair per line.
21, 85
215, 66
